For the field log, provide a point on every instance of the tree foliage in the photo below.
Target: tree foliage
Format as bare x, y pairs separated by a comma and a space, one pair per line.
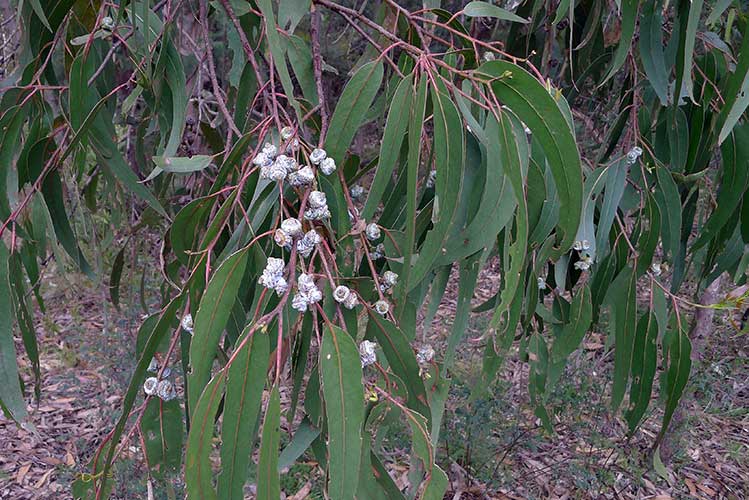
308, 211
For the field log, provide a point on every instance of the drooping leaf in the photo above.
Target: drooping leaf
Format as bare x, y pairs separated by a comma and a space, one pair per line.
485, 9
268, 482
341, 375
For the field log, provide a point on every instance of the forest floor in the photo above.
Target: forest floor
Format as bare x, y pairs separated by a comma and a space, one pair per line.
492, 447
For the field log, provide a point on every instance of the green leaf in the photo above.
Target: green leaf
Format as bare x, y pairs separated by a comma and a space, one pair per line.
181, 164
390, 147
290, 12
341, 375
484, 9
621, 299
669, 203
303, 437
268, 480
651, 49
736, 92
629, 19
689, 18
11, 397
533, 104
580, 317
39, 11
677, 350
210, 320
644, 359
198, 471
448, 158
114, 279
242, 404
162, 429
353, 104
401, 357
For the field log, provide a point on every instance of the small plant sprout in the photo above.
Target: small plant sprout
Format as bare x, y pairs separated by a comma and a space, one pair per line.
327, 166
307, 293
373, 231
149, 386
367, 353
272, 276
382, 307
187, 324
317, 156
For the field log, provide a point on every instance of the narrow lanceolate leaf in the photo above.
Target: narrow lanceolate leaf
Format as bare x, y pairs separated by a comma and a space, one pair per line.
198, 470
448, 156
689, 18
210, 320
733, 183
174, 74
392, 139
10, 389
415, 128
533, 104
276, 47
678, 350
629, 19
669, 204
651, 49
116, 276
581, 314
341, 374
401, 358
621, 299
244, 397
163, 430
485, 9
268, 480
182, 165
644, 358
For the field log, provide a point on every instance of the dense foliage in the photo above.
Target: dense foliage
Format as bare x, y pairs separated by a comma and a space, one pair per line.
309, 211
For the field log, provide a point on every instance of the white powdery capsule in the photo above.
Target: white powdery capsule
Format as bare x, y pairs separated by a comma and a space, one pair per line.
149, 386
270, 150
367, 353
351, 301
541, 283
306, 245
288, 163
272, 276
287, 133
107, 23
341, 293
308, 293
655, 267
633, 155
302, 177
327, 166
431, 179
389, 280
582, 265
166, 390
578, 245
281, 238
382, 307
372, 231
153, 366
425, 354
317, 156
317, 199
299, 303
262, 160
187, 324
292, 227
317, 213
357, 191
585, 245
274, 172
379, 252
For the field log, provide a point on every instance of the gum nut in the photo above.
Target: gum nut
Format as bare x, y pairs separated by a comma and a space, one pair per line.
390, 278
286, 133
351, 301
382, 307
315, 295
317, 199
277, 172
166, 390
341, 293
425, 354
149, 386
281, 238
270, 150
356, 191
327, 166
292, 227
317, 156
299, 303
287, 162
372, 231
187, 322
367, 352
305, 175
275, 265
153, 366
